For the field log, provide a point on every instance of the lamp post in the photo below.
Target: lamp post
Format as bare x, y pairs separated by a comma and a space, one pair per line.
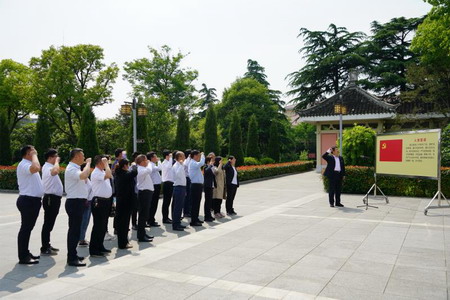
340, 109
131, 108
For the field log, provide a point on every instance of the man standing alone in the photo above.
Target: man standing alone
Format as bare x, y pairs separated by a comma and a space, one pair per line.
335, 172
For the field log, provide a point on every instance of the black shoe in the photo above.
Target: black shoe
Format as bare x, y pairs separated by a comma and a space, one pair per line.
167, 221
28, 261
105, 251
186, 215
209, 219
34, 257
54, 249
149, 236
145, 240
182, 226
196, 224
339, 205
134, 227
154, 224
179, 228
49, 252
76, 263
97, 254
80, 258
127, 246
147, 225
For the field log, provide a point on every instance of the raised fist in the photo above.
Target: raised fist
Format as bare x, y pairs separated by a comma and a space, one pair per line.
88, 161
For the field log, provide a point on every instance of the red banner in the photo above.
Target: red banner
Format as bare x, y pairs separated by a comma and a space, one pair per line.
391, 150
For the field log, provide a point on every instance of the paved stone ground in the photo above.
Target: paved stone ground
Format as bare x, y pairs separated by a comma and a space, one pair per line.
287, 243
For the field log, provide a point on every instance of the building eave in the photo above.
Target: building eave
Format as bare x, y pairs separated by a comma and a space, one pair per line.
335, 118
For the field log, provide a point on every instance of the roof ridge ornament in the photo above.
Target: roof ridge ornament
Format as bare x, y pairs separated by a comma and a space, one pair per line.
352, 77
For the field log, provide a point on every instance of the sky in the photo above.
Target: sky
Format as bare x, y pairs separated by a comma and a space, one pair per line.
218, 36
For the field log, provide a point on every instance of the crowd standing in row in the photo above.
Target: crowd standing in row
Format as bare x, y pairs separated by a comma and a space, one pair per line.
127, 191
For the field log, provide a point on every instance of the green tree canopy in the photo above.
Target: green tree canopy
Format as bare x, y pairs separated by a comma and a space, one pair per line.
252, 149
208, 97
161, 124
66, 80
329, 57
42, 139
87, 139
162, 76
358, 146
274, 142
112, 134
5, 141
211, 137
235, 139
183, 131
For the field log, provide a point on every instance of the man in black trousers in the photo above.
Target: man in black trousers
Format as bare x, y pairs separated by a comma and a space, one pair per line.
335, 172
232, 181
210, 184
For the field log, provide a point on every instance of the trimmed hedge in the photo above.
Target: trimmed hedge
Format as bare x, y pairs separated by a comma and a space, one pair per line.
359, 179
8, 178
261, 171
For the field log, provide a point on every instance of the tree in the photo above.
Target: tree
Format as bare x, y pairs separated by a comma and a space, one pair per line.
235, 139
304, 137
5, 141
249, 97
111, 134
445, 147
15, 91
208, 97
42, 138
87, 139
182, 136
211, 138
68, 78
161, 124
253, 139
274, 142
388, 56
161, 76
329, 57
358, 145
143, 145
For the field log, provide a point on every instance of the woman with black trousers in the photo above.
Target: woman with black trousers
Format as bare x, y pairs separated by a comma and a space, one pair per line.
124, 183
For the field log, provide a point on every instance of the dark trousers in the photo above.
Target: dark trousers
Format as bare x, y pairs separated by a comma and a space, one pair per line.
179, 194
208, 201
144, 197
124, 208
187, 199
101, 208
217, 203
134, 210
75, 209
154, 203
196, 198
51, 204
231, 194
167, 198
335, 187
29, 211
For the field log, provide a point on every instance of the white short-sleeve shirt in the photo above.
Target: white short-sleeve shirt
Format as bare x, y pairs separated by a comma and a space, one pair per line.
101, 187
75, 187
30, 184
144, 181
52, 184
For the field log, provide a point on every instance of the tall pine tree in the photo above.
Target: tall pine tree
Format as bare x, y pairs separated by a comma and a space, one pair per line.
5, 141
87, 139
274, 142
211, 138
235, 139
183, 131
42, 139
253, 138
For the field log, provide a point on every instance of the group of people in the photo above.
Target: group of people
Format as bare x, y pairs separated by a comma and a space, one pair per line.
127, 189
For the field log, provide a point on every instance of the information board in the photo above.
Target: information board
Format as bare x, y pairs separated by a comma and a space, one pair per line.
412, 153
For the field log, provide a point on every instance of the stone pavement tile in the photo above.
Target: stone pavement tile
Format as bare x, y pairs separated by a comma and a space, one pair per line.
217, 266
351, 234
351, 280
125, 284
177, 262
163, 289
212, 293
367, 267
89, 277
264, 266
341, 292
94, 294
389, 246
332, 252
8, 286
285, 254
49, 290
415, 289
419, 252
258, 279
433, 277
426, 262
244, 252
373, 255
311, 273
311, 260
298, 284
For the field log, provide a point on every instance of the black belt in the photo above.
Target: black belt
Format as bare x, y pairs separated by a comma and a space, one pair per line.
84, 199
30, 197
102, 199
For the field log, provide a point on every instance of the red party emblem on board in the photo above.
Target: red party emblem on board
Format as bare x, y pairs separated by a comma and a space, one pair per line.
391, 150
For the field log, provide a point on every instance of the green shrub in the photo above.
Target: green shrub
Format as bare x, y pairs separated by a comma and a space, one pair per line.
250, 161
445, 146
266, 161
358, 146
262, 171
8, 178
359, 180
303, 155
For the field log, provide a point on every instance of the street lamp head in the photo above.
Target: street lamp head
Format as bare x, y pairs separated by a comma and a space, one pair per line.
142, 111
125, 109
338, 109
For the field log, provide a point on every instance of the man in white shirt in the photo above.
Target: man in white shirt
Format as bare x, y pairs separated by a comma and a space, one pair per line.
53, 190
335, 172
77, 193
29, 201
179, 191
101, 205
167, 179
195, 173
156, 178
145, 192
187, 200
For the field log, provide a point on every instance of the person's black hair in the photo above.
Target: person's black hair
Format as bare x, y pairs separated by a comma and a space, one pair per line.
187, 152
50, 153
118, 152
150, 155
25, 149
134, 155
217, 161
230, 157
165, 153
98, 159
194, 153
74, 152
122, 163
207, 159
